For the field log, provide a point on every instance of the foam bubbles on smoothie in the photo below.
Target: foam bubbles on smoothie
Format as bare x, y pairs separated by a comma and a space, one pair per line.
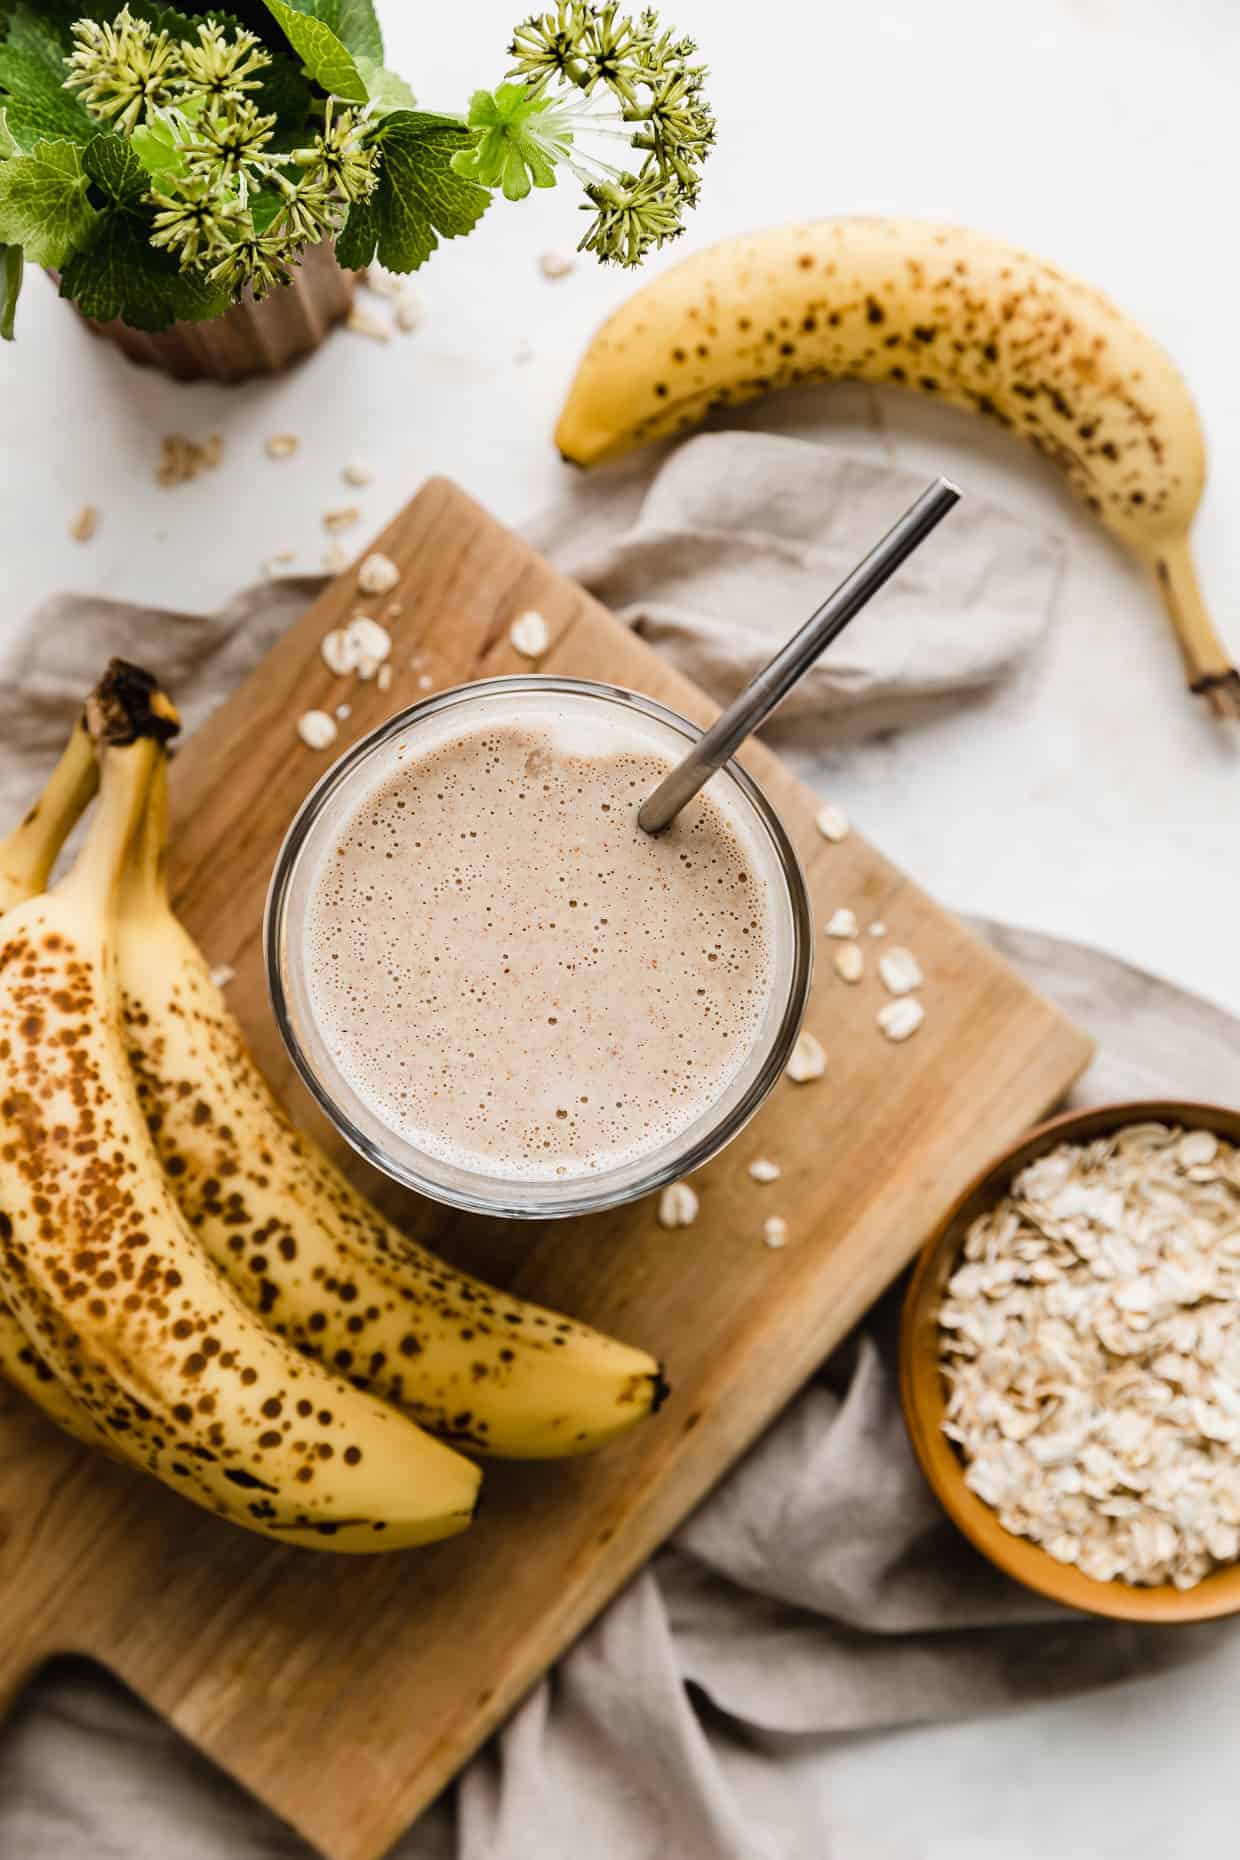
515, 978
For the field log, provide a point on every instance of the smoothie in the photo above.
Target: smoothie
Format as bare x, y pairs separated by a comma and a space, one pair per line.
514, 977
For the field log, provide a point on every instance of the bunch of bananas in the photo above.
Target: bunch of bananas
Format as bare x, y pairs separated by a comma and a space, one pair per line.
946, 312
186, 1282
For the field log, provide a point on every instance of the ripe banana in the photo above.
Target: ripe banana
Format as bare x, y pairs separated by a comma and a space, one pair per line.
950, 312
109, 1282
26, 860
321, 1266
29, 853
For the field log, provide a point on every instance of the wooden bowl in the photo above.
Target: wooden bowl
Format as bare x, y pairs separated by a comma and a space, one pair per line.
924, 1396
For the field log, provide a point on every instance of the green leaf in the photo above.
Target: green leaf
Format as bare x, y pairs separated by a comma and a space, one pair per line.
264, 206
115, 167
359, 29
8, 146
119, 274
417, 196
43, 202
512, 146
38, 108
388, 90
325, 58
12, 270
155, 146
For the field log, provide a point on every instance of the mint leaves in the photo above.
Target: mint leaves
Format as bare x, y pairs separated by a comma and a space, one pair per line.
43, 202
418, 196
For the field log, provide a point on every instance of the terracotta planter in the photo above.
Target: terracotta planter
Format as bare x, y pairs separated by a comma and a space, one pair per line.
252, 339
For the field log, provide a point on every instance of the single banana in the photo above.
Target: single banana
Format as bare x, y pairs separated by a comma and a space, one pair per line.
953, 313
110, 1283
26, 860
314, 1258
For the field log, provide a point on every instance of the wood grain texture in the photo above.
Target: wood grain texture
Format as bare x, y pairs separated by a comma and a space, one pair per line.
347, 1694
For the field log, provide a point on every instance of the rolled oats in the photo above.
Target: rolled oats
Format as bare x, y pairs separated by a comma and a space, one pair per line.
808, 1060
842, 923
900, 1019
378, 574
832, 823
678, 1205
530, 634
900, 971
316, 729
763, 1170
849, 962
775, 1231
1090, 1343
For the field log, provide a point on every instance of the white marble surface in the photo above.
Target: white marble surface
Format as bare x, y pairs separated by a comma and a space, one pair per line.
1093, 800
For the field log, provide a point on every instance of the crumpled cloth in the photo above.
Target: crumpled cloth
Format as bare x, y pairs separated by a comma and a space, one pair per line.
818, 1590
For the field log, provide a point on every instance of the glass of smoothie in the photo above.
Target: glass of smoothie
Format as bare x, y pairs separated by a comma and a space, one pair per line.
499, 988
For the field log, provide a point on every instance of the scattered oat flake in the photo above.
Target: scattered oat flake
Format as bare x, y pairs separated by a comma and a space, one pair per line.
808, 1060
384, 678
832, 823
762, 1169
339, 655
85, 524
344, 712
357, 472
378, 574
362, 323
900, 971
408, 314
530, 634
393, 611
842, 923
222, 974
900, 1019
282, 446
775, 1231
342, 518
279, 560
849, 962
368, 644
182, 459
557, 264
678, 1206
426, 682
383, 283
316, 729
335, 556
878, 927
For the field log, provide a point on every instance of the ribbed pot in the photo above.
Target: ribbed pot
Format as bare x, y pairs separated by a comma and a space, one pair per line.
252, 338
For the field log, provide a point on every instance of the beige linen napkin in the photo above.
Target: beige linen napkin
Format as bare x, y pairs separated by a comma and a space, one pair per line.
819, 1589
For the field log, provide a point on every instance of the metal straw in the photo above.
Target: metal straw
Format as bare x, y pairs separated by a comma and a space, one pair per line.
759, 698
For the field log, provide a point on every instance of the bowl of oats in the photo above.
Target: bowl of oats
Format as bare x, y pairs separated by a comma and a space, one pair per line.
1070, 1361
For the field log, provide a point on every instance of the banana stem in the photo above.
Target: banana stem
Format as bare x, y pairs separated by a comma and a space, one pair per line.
1210, 672
145, 879
125, 779
30, 851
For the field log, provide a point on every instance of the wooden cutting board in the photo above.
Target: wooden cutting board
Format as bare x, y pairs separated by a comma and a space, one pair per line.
346, 1693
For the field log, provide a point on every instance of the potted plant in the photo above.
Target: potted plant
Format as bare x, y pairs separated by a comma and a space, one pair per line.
204, 183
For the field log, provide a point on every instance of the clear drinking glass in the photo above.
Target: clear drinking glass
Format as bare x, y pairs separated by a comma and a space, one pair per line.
316, 831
